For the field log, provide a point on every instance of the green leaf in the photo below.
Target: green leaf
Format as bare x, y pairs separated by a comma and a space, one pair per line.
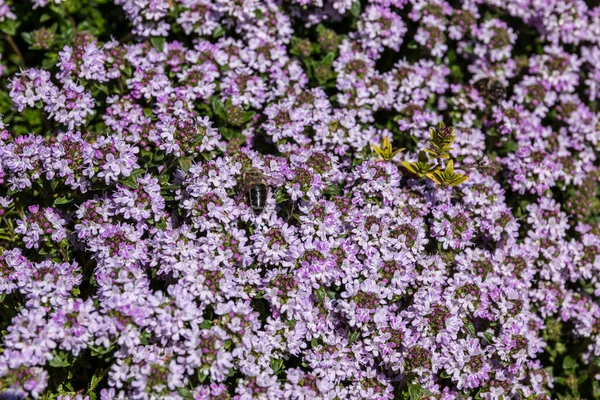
247, 116
206, 324
50, 60
432, 152
73, 6
415, 391
218, 108
281, 196
26, 37
130, 182
259, 306
422, 158
145, 338
258, 13
277, 365
15, 59
321, 293
569, 363
158, 43
308, 63
488, 336
94, 382
59, 362
353, 336
561, 380
471, 328
458, 180
408, 165
355, 9
102, 88
218, 32
227, 133
185, 393
100, 350
185, 163
509, 147
332, 190
328, 60
9, 26
63, 200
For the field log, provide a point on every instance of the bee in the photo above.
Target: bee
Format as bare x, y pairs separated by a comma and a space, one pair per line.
255, 187
480, 164
491, 89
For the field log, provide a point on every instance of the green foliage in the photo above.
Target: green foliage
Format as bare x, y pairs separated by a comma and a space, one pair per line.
447, 177
422, 167
441, 141
385, 151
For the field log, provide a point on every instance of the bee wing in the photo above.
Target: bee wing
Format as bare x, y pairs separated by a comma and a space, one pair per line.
272, 179
481, 161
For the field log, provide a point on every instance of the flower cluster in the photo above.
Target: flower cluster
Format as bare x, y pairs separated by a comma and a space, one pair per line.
428, 183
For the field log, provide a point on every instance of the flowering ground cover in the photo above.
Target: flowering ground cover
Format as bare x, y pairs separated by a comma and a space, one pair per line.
299, 199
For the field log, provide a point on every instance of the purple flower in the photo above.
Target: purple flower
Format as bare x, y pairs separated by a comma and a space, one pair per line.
452, 226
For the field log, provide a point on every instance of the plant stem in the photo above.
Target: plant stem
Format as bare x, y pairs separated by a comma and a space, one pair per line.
15, 48
100, 378
63, 254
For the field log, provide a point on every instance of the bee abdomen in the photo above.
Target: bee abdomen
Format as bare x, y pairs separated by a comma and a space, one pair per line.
497, 92
258, 197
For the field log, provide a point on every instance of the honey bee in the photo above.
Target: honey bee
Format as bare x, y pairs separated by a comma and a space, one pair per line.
491, 89
255, 187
